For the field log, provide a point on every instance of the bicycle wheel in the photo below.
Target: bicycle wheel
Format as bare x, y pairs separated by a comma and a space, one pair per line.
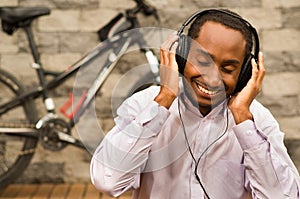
128, 86
15, 151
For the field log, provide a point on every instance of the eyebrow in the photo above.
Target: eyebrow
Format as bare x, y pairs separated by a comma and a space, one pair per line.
229, 61
200, 50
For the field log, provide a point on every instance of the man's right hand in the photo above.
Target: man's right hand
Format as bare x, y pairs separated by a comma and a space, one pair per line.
169, 77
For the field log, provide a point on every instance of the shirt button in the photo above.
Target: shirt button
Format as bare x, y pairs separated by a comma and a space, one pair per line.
249, 133
129, 141
107, 172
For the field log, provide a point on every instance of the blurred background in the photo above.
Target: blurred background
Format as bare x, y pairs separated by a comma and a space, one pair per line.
71, 30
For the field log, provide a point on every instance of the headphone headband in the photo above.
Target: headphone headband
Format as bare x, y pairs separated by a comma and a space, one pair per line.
204, 12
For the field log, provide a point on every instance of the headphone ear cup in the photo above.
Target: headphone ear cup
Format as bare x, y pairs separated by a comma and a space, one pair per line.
245, 74
182, 52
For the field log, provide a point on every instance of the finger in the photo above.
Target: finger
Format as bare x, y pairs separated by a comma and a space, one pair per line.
261, 67
164, 53
172, 54
254, 70
168, 47
163, 57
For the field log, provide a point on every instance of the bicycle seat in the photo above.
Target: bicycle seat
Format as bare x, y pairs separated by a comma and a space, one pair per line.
15, 15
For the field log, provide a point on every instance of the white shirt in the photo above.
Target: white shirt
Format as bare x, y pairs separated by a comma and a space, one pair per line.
147, 151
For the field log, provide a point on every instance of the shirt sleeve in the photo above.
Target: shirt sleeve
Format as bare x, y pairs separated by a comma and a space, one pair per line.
270, 173
120, 158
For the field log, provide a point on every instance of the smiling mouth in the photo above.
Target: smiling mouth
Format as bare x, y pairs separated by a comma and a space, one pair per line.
204, 90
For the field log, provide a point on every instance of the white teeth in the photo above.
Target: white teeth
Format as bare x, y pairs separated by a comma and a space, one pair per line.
206, 91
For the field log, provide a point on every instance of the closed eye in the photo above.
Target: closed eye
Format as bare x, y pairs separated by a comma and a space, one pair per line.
204, 63
227, 70
203, 58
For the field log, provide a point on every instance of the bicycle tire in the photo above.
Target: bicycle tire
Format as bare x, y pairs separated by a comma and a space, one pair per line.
16, 151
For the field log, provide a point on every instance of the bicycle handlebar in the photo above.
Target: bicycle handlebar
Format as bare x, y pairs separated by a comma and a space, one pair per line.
113, 27
144, 8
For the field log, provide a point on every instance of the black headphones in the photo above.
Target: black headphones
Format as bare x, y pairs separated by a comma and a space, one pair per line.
184, 46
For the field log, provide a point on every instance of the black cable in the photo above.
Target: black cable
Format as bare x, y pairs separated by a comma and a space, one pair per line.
207, 148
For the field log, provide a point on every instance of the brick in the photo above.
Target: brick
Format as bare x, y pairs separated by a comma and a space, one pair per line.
201, 3
99, 19
290, 126
8, 3
281, 84
293, 148
282, 61
110, 83
123, 4
280, 40
281, 105
48, 42
8, 43
59, 62
264, 18
81, 169
77, 42
240, 3
291, 17
271, 3
60, 20
166, 3
74, 4
280, 3
20, 66
30, 3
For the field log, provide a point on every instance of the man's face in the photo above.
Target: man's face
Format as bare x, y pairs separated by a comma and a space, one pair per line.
214, 63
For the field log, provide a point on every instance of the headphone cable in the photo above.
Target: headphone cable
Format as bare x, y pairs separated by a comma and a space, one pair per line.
207, 148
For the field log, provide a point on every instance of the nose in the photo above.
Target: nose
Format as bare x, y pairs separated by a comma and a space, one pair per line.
212, 77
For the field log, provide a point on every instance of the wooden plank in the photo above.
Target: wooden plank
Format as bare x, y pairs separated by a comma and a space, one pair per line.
27, 191
11, 191
43, 191
105, 196
91, 192
76, 191
55, 191
60, 191
126, 195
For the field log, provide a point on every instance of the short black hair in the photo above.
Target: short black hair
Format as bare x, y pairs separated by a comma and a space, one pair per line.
231, 20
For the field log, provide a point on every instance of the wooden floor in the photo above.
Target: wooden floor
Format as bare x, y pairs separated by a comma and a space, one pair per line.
54, 191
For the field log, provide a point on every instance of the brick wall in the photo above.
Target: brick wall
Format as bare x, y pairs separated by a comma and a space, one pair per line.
70, 31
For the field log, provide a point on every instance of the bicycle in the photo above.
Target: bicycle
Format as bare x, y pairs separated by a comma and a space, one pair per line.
21, 129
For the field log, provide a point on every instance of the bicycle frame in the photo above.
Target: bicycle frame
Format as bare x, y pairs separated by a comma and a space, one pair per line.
127, 40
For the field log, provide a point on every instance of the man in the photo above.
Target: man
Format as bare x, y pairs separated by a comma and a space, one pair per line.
197, 136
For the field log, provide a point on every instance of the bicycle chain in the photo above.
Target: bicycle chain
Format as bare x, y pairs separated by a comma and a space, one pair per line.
21, 125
